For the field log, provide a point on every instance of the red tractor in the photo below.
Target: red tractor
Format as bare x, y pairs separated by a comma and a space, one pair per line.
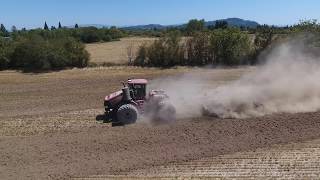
125, 106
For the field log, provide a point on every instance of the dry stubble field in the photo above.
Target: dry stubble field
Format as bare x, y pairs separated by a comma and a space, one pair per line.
48, 131
115, 52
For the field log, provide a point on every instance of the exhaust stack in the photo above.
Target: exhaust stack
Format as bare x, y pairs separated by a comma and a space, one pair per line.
126, 94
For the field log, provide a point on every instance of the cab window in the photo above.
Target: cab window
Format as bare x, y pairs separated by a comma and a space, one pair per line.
138, 91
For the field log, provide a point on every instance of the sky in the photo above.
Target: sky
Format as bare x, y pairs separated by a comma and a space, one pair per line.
33, 13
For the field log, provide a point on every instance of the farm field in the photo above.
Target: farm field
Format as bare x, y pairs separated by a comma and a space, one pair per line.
99, 90
48, 131
115, 52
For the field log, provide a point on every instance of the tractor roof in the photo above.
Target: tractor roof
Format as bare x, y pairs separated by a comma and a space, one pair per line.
137, 81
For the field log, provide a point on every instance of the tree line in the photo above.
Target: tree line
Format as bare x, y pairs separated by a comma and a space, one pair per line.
36, 53
193, 45
219, 47
50, 48
83, 34
221, 44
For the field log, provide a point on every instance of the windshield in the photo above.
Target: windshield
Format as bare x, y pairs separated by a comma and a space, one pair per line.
137, 91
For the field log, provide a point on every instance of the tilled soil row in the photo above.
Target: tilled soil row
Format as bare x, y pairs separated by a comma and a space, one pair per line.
101, 150
289, 161
50, 123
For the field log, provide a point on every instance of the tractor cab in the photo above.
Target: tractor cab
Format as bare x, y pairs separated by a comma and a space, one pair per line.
137, 88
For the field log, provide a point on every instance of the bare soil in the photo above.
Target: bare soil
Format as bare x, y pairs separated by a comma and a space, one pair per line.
48, 128
289, 161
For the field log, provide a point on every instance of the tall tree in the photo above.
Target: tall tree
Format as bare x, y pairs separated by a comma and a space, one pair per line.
45, 26
76, 26
3, 28
230, 46
59, 25
195, 25
3, 31
14, 29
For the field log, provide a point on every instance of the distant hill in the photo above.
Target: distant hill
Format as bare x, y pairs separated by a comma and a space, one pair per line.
146, 27
94, 25
237, 22
99, 26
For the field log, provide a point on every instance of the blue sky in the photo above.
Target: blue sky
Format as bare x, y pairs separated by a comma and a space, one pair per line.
33, 13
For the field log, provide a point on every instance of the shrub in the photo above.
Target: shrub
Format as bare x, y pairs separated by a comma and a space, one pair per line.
107, 38
141, 59
195, 25
227, 46
76, 53
6, 49
114, 33
90, 35
198, 49
165, 52
35, 53
30, 54
230, 46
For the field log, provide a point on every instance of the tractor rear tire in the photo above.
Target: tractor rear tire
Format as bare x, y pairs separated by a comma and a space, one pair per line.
127, 114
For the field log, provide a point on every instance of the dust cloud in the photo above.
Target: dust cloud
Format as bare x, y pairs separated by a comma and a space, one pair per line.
287, 82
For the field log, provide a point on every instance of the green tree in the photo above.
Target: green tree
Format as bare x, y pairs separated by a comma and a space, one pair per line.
76, 53
195, 25
307, 26
198, 49
3, 31
263, 38
45, 27
230, 46
115, 33
14, 29
3, 28
90, 35
35, 53
6, 49
141, 59
165, 52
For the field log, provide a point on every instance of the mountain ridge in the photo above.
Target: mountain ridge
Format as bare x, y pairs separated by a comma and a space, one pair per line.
236, 22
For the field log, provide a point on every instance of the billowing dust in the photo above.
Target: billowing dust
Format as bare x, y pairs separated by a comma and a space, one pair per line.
287, 82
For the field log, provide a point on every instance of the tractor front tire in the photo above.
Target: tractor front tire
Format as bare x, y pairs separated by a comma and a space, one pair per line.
127, 114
